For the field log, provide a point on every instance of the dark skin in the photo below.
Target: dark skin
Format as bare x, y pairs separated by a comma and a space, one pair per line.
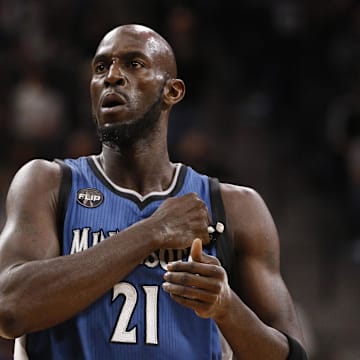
134, 66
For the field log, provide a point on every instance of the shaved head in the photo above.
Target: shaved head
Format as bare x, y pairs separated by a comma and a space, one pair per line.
154, 43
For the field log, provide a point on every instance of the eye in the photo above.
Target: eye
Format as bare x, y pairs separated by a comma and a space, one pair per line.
99, 67
136, 64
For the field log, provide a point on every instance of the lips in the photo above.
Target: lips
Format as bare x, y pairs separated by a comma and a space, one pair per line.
111, 100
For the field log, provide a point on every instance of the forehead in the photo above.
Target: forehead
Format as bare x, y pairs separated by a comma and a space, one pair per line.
134, 39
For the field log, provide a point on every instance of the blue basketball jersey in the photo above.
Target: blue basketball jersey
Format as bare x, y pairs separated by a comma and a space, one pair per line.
136, 319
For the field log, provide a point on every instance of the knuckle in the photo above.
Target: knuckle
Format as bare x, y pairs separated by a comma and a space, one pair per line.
217, 288
218, 271
186, 292
194, 195
204, 213
169, 277
184, 278
182, 291
192, 266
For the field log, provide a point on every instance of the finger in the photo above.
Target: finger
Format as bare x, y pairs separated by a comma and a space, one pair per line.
210, 269
196, 250
189, 292
210, 283
195, 267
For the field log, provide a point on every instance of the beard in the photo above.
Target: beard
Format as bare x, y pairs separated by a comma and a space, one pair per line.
131, 132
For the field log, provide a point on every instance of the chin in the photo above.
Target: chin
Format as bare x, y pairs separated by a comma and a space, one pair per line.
110, 117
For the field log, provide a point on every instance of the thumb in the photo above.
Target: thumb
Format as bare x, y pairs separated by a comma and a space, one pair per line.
196, 250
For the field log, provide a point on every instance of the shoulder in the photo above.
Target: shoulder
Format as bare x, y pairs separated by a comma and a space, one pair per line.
41, 165
38, 171
238, 191
242, 200
31, 213
250, 223
35, 179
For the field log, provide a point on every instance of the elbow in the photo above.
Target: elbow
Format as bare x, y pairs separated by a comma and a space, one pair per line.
10, 324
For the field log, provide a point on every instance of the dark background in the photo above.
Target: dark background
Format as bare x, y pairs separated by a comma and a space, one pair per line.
273, 102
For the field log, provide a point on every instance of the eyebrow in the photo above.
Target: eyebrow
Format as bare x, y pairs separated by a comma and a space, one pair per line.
98, 58
126, 55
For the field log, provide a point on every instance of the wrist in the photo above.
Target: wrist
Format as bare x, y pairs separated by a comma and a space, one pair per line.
154, 234
223, 314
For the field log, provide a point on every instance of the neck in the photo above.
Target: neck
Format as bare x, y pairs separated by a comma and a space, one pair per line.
142, 168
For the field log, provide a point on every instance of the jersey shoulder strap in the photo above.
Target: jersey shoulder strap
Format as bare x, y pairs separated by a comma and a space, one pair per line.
224, 244
63, 197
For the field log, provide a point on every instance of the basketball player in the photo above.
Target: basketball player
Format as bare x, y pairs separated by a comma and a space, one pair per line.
126, 255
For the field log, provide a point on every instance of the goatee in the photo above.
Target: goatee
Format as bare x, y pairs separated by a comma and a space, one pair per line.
131, 132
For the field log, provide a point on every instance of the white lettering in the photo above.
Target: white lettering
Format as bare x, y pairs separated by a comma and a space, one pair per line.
165, 256
80, 243
89, 197
98, 237
82, 237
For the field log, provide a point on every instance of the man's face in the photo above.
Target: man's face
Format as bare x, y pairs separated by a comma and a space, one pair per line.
127, 81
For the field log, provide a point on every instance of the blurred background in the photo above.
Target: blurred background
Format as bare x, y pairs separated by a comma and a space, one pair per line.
273, 102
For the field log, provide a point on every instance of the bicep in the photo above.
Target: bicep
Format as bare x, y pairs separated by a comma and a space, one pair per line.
256, 266
262, 288
30, 231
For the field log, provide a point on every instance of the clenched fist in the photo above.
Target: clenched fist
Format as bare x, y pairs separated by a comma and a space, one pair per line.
178, 221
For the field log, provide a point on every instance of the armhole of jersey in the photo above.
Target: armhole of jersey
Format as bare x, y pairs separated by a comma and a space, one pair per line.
64, 191
224, 244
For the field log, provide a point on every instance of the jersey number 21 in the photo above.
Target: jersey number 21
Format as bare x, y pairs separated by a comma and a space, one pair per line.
120, 333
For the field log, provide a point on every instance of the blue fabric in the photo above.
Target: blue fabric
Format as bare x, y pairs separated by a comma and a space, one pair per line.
98, 332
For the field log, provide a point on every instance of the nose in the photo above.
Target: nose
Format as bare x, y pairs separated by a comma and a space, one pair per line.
115, 75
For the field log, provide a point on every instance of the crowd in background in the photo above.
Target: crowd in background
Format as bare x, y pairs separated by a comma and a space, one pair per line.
273, 99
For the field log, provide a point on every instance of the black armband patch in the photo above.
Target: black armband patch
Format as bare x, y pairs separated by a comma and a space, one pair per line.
296, 351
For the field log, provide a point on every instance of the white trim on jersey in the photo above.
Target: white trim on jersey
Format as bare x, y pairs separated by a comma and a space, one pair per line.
226, 351
135, 193
19, 348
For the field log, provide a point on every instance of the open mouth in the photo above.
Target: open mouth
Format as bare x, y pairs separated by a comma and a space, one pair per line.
112, 100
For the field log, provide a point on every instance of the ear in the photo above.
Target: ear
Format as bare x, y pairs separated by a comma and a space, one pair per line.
174, 91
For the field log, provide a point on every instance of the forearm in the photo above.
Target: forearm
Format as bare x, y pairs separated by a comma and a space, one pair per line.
41, 293
248, 336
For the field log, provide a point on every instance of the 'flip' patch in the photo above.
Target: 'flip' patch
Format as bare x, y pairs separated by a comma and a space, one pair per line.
90, 197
